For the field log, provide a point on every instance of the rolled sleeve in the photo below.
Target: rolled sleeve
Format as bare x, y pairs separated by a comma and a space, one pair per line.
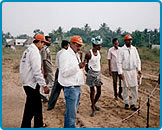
109, 54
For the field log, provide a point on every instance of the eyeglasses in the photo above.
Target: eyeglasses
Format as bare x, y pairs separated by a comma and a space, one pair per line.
42, 42
77, 45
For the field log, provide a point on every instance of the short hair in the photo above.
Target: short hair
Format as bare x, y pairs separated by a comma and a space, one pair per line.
46, 37
114, 40
35, 41
64, 43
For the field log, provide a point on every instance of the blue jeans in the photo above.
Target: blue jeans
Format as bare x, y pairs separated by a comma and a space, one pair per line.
72, 97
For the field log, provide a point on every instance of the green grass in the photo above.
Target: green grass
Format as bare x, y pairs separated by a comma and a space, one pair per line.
152, 55
8, 53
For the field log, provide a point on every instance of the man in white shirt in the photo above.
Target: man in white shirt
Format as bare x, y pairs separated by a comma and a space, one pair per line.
32, 79
113, 70
71, 77
56, 89
128, 64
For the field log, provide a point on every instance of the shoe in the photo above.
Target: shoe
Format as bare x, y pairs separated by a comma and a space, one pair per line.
42, 126
126, 106
120, 96
132, 107
92, 114
97, 108
44, 99
116, 98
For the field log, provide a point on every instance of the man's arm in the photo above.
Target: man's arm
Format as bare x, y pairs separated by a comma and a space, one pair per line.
87, 57
109, 61
109, 66
119, 65
138, 62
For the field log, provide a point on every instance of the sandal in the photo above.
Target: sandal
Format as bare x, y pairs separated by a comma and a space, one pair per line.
44, 125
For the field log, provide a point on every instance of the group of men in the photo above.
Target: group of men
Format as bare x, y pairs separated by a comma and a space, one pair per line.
36, 71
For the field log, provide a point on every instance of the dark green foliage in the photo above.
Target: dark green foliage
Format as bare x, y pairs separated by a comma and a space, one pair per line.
140, 38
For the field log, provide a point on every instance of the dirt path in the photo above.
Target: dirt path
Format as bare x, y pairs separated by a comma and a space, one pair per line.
13, 101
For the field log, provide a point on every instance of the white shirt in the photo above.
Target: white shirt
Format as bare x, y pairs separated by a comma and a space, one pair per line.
58, 55
30, 68
128, 59
113, 56
69, 72
94, 62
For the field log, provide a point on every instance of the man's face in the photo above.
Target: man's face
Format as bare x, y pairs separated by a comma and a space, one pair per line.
66, 47
76, 47
40, 45
128, 42
98, 47
49, 40
116, 43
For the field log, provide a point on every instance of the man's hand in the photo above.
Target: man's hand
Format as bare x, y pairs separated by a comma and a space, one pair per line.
140, 73
46, 90
110, 73
45, 75
121, 76
82, 64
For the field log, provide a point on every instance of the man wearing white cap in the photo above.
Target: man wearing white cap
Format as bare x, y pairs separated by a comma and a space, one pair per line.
93, 58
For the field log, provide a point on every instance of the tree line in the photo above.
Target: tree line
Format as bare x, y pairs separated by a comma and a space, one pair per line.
140, 38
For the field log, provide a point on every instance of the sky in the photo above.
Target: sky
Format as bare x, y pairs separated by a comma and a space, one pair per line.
24, 17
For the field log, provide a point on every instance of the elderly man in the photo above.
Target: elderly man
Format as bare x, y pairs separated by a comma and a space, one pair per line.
128, 64
93, 80
71, 77
32, 79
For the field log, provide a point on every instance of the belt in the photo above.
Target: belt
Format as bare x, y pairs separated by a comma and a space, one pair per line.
72, 86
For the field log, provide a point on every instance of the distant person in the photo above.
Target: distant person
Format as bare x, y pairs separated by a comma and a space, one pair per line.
47, 67
71, 77
56, 89
93, 80
112, 65
32, 79
128, 64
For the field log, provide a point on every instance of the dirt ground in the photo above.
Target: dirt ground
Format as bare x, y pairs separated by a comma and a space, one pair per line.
112, 111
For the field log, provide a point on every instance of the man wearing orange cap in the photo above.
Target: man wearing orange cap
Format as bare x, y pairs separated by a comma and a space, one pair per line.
71, 77
32, 79
128, 64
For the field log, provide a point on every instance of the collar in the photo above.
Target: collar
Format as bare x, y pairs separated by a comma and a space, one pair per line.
34, 46
71, 50
128, 48
115, 48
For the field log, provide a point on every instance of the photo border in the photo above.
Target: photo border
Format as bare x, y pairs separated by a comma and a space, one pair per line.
2, 1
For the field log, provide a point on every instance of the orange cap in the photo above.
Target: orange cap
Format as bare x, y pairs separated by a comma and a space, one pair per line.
127, 37
40, 37
77, 39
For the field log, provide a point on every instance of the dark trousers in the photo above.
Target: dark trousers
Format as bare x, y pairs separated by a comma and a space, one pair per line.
56, 89
115, 79
33, 108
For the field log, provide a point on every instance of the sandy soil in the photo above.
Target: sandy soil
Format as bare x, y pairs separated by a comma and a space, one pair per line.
110, 116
